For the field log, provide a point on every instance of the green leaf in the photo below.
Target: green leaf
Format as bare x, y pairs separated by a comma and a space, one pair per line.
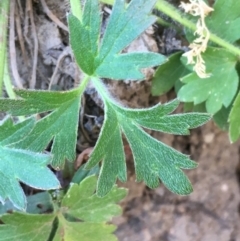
11, 133
167, 74
153, 159
21, 165
82, 173
157, 118
84, 36
104, 59
234, 120
220, 22
190, 107
37, 203
25, 227
126, 66
224, 79
60, 125
221, 118
81, 215
40, 176
82, 204
225, 19
36, 101
113, 165
84, 231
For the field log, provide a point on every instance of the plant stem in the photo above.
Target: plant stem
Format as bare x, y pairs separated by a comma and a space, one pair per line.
7, 82
4, 9
174, 13
100, 87
102, 90
9, 87
4, 73
76, 8
83, 84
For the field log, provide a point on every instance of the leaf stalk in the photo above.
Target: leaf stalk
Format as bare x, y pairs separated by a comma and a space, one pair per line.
84, 83
4, 9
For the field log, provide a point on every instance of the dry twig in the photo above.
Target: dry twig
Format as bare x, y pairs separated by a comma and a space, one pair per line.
19, 32
25, 29
52, 16
35, 52
66, 52
12, 47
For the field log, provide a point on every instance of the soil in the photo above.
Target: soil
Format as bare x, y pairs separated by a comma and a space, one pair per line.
212, 211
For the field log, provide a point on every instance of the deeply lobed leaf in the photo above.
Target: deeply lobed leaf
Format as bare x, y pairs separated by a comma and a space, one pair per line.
225, 19
81, 203
168, 75
26, 227
36, 204
11, 133
156, 118
224, 79
88, 206
109, 149
81, 216
21, 165
153, 159
36, 101
60, 125
84, 231
84, 36
103, 58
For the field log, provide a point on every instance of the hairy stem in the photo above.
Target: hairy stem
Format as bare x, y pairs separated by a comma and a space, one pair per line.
7, 82
101, 88
4, 9
84, 83
104, 92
